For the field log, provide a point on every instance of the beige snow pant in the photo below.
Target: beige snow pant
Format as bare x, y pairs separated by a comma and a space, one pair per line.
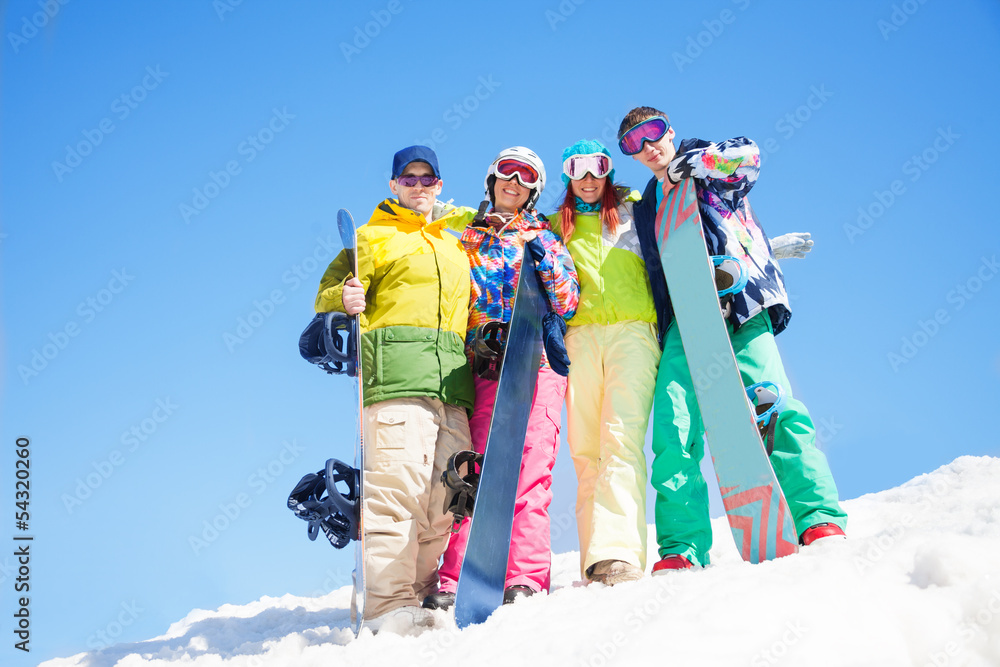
407, 445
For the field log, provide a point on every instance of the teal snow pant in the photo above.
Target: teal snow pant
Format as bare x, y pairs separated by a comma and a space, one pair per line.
682, 520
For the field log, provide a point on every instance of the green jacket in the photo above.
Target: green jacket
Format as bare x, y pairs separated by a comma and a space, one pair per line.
614, 284
416, 279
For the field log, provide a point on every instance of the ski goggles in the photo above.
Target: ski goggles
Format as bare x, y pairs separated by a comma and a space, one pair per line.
597, 165
411, 181
508, 168
651, 129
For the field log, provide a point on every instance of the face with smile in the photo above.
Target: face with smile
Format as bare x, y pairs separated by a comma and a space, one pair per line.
509, 195
419, 198
657, 154
588, 189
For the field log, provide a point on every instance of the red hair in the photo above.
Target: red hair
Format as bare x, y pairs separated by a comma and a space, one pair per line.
610, 201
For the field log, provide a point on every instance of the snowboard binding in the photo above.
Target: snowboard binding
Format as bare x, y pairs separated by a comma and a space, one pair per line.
731, 277
767, 400
487, 349
330, 342
463, 487
338, 513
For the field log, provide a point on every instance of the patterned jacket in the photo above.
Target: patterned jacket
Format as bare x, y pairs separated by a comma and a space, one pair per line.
495, 259
724, 173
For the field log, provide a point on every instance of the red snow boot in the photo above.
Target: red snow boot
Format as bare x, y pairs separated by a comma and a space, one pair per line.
820, 531
671, 562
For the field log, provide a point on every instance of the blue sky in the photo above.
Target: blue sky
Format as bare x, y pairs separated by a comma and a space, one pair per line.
170, 179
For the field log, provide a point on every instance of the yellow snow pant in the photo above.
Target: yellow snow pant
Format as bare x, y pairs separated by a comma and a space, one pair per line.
408, 442
612, 377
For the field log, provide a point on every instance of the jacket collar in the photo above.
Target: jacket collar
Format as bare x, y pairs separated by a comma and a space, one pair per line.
392, 210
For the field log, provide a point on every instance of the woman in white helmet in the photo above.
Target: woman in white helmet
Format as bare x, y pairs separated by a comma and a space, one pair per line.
514, 181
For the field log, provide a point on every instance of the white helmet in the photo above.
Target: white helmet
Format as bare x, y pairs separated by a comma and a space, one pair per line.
525, 156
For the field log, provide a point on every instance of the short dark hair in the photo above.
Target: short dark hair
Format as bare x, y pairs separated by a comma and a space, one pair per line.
636, 116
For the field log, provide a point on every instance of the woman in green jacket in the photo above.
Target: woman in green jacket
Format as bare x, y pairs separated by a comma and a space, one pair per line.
614, 353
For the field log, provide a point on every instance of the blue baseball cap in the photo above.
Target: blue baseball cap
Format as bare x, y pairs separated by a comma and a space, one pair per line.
414, 154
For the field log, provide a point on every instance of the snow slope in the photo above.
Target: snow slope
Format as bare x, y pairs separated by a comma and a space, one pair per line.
917, 583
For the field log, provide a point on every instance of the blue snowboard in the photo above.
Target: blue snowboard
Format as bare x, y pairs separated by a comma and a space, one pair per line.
758, 514
484, 570
349, 236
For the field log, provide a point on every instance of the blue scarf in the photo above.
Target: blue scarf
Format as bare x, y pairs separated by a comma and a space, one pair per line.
584, 207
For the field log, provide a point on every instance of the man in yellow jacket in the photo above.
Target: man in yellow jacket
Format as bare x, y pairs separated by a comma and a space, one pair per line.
412, 295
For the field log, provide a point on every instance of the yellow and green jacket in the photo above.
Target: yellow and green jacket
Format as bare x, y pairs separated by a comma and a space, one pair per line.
614, 284
416, 279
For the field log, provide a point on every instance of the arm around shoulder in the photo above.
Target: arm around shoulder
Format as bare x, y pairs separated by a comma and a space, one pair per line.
559, 276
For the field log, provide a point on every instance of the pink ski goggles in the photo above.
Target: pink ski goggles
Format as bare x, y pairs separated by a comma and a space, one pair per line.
508, 168
651, 129
578, 166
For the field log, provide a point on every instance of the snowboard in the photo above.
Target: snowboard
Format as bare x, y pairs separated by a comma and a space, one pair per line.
756, 508
348, 236
484, 569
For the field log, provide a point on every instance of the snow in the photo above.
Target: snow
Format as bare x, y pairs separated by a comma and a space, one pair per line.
916, 583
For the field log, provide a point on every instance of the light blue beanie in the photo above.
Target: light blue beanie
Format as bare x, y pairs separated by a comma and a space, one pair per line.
586, 147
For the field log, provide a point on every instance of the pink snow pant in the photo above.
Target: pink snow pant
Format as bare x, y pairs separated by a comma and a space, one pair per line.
530, 558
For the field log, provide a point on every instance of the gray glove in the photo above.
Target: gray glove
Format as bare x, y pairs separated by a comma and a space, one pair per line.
442, 208
791, 246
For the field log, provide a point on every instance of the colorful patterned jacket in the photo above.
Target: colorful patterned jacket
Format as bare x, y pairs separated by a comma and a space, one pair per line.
496, 259
724, 173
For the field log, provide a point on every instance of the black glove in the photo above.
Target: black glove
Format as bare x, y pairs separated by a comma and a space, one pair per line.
536, 249
553, 330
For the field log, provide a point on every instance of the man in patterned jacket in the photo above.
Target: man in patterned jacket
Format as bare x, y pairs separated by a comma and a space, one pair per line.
724, 173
